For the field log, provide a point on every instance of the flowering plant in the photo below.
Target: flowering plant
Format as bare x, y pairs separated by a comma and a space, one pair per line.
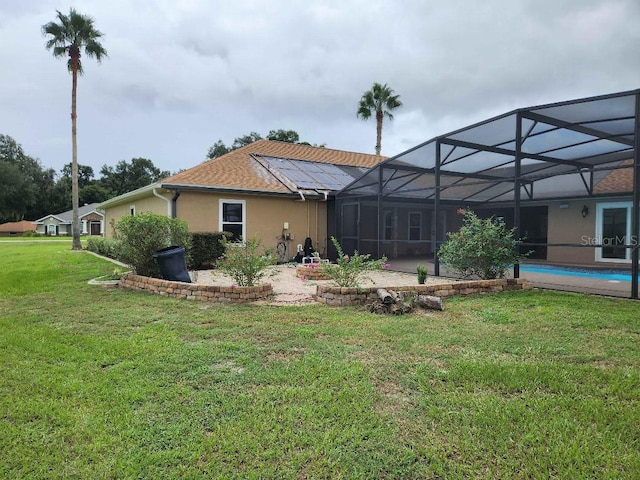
348, 270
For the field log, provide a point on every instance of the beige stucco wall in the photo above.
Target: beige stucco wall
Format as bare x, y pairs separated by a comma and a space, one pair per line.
146, 204
265, 217
566, 225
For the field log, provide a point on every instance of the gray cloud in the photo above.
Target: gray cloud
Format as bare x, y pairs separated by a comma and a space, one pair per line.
183, 74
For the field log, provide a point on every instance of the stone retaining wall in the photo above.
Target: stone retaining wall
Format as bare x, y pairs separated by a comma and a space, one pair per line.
311, 272
195, 291
342, 296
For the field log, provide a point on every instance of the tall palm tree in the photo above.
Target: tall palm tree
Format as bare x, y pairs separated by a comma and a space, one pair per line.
73, 33
381, 100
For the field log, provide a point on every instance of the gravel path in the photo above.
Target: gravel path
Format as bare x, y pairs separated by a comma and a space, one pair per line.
288, 289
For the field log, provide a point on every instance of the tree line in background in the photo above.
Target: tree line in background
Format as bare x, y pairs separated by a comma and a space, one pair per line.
290, 136
29, 191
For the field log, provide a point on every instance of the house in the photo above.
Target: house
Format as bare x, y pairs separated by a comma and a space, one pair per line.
279, 192
90, 216
11, 229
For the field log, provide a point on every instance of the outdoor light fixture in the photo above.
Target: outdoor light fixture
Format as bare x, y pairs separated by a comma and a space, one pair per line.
585, 211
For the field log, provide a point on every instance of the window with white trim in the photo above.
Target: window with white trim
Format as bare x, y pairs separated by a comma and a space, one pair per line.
415, 225
613, 231
132, 210
232, 218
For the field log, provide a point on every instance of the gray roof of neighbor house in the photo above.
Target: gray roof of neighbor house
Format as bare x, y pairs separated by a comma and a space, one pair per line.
67, 217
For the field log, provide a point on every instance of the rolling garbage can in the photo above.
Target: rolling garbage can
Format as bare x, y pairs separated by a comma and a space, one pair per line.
172, 263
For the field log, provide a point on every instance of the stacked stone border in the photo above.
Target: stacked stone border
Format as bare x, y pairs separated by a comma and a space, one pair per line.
311, 272
195, 291
343, 296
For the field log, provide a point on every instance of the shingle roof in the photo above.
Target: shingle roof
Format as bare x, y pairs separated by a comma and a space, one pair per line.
238, 170
618, 181
17, 227
67, 217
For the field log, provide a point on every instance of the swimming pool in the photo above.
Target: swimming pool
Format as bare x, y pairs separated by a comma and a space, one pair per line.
596, 274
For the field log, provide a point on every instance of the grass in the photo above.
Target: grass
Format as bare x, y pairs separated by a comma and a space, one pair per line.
105, 383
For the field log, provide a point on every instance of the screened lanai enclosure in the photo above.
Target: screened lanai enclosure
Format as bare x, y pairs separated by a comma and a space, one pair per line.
566, 176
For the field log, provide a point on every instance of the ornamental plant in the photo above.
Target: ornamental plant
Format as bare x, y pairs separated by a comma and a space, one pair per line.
481, 248
349, 270
422, 274
141, 235
243, 263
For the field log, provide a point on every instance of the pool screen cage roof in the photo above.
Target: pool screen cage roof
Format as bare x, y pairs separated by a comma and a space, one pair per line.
547, 152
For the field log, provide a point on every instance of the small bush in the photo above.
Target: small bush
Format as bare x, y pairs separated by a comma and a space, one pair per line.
243, 263
143, 234
31, 233
206, 249
104, 246
422, 274
348, 270
481, 248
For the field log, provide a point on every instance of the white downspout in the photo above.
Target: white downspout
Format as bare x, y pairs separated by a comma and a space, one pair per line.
155, 193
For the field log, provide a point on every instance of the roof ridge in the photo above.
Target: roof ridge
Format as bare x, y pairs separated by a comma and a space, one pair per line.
302, 145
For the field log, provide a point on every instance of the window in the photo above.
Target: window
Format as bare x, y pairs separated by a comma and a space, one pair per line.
415, 225
388, 224
232, 219
132, 210
613, 231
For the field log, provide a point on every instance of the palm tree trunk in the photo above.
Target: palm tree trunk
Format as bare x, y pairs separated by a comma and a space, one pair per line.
75, 227
379, 117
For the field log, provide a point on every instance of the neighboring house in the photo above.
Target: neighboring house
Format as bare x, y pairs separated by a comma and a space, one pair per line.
15, 229
277, 191
90, 216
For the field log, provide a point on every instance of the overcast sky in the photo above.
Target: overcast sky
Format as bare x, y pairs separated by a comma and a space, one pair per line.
182, 74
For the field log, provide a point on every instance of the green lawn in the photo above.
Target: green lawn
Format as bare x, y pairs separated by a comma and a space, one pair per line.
103, 383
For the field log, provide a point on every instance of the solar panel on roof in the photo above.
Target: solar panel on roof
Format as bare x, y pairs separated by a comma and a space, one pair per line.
315, 176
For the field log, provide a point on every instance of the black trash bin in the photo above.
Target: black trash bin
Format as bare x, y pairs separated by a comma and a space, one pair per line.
172, 263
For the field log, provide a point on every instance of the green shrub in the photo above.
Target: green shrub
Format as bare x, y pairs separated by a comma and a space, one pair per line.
104, 246
143, 234
243, 263
422, 274
206, 249
31, 233
349, 270
481, 248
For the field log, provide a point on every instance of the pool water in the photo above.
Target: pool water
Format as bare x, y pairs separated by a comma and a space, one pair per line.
611, 275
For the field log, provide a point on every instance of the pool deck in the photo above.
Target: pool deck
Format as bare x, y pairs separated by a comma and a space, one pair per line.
567, 283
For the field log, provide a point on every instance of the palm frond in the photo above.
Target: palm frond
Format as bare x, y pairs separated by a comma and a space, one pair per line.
73, 33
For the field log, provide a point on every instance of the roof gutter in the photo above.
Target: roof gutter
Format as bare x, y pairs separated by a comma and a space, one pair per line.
325, 193
155, 193
140, 192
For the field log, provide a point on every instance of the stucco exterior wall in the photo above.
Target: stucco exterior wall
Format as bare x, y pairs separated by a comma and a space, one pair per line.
265, 217
566, 225
146, 204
